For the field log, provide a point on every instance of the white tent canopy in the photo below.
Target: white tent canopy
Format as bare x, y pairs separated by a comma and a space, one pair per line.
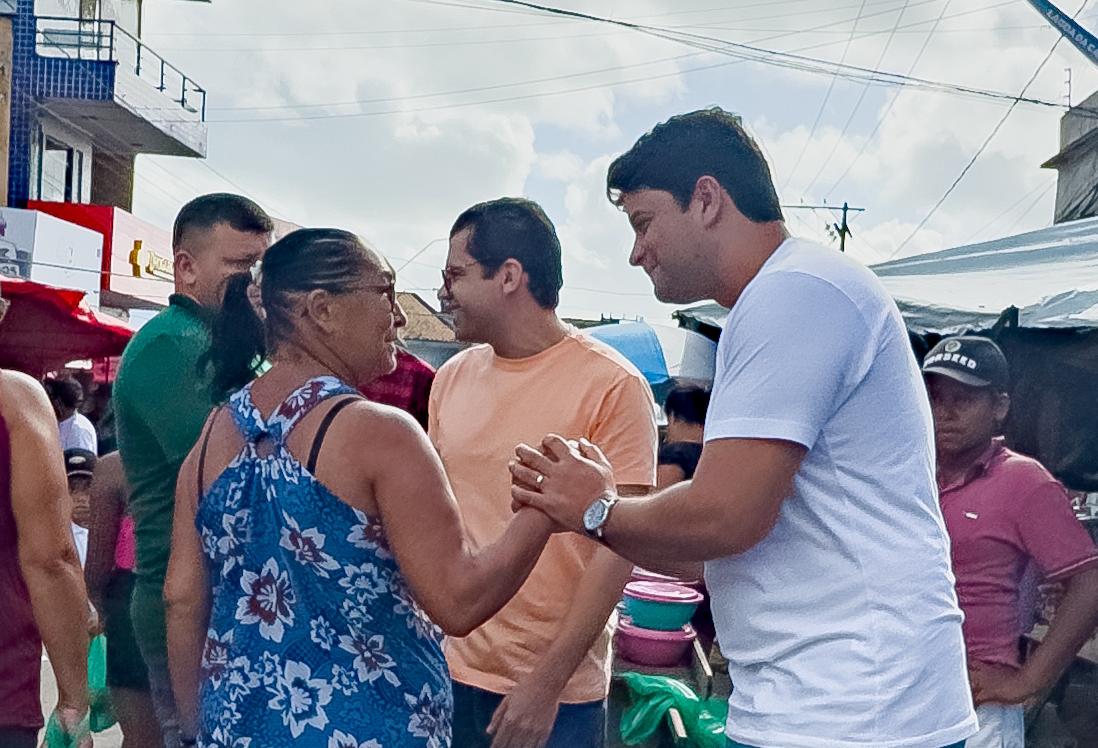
1051, 275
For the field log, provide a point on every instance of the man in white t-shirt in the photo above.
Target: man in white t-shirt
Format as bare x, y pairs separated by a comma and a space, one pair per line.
77, 432
814, 505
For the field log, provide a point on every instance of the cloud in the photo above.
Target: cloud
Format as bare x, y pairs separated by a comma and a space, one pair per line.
530, 111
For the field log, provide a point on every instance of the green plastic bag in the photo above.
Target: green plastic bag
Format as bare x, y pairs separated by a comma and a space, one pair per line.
102, 714
58, 737
654, 695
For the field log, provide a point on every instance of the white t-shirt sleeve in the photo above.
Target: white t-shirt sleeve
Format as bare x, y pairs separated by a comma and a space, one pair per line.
791, 351
80, 435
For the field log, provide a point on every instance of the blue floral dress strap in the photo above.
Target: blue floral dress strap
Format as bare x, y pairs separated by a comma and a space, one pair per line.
278, 426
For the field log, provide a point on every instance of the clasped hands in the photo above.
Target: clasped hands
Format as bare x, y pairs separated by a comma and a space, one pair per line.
560, 478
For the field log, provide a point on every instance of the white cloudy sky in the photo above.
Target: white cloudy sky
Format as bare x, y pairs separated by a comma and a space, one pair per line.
389, 117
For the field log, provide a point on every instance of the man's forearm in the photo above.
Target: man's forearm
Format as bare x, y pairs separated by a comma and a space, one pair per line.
1074, 623
660, 531
596, 597
61, 613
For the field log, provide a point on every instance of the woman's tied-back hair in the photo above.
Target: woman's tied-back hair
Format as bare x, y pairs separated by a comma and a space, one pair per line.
306, 260
675, 154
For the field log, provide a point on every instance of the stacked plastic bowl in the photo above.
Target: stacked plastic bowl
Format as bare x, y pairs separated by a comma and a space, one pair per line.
655, 629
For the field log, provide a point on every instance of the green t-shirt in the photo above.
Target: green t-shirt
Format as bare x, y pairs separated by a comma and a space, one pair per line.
161, 401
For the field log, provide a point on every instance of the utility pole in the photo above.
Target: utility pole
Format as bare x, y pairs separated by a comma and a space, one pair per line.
842, 228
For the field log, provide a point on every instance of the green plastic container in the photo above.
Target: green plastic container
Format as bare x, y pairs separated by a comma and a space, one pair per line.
660, 606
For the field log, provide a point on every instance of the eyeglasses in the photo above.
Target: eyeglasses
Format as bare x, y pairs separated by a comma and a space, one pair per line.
451, 272
388, 291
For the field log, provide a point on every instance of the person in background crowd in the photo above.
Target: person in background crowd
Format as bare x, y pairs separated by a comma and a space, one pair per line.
1004, 512
316, 538
76, 431
813, 506
685, 408
161, 400
109, 576
408, 387
100, 411
538, 672
79, 468
42, 597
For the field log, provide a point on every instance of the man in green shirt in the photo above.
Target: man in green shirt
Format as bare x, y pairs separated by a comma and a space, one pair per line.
161, 400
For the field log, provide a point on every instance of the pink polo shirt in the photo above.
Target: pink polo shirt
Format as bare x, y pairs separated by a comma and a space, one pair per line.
1007, 512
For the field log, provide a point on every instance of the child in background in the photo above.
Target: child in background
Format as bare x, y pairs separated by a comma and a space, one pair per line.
79, 467
109, 575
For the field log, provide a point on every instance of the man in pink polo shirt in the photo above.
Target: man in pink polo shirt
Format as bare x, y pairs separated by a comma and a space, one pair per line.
1003, 512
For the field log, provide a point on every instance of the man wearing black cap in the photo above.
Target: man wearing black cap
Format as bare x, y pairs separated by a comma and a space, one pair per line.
79, 468
1003, 512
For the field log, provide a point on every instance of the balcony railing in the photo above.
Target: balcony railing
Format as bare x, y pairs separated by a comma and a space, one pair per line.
106, 41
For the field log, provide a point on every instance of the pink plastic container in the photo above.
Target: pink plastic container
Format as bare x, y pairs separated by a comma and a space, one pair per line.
653, 648
643, 575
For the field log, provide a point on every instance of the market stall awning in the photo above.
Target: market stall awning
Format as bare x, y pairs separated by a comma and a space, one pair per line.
660, 352
1049, 275
45, 327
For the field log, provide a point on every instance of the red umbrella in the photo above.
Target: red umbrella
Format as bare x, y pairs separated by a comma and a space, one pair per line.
45, 327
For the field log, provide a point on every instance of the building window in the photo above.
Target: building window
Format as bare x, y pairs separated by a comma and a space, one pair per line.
57, 175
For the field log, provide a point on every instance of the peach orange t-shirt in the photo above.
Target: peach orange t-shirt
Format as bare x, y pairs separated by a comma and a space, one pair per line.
481, 407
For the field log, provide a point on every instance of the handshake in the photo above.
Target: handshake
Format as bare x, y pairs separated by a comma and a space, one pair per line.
560, 478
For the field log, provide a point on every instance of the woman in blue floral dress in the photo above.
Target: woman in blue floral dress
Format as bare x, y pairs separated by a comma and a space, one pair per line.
316, 541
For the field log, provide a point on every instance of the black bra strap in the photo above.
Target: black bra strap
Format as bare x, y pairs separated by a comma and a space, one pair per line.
202, 454
322, 430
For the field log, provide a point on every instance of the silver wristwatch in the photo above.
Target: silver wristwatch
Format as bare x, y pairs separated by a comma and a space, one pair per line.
598, 514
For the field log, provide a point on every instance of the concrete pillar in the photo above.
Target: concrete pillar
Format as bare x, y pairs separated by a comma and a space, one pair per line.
6, 41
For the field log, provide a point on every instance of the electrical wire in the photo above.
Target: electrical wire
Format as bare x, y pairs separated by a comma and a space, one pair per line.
983, 146
857, 104
1008, 210
891, 104
826, 99
784, 34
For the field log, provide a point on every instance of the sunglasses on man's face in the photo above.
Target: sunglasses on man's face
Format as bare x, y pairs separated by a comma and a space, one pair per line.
452, 272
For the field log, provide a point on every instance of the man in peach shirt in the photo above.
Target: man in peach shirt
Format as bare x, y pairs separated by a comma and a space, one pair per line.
538, 673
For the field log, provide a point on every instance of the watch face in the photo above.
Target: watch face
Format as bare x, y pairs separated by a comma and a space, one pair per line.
595, 516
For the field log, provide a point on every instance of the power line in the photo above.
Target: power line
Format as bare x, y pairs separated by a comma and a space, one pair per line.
549, 79
122, 146
425, 247
888, 110
1032, 205
826, 98
449, 29
1008, 210
984, 145
857, 104
790, 60
519, 39
763, 56
675, 58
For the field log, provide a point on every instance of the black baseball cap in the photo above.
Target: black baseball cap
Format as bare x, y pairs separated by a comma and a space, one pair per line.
969, 359
80, 462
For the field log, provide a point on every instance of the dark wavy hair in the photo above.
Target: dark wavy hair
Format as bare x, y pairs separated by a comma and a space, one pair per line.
688, 402
516, 228
306, 260
675, 154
